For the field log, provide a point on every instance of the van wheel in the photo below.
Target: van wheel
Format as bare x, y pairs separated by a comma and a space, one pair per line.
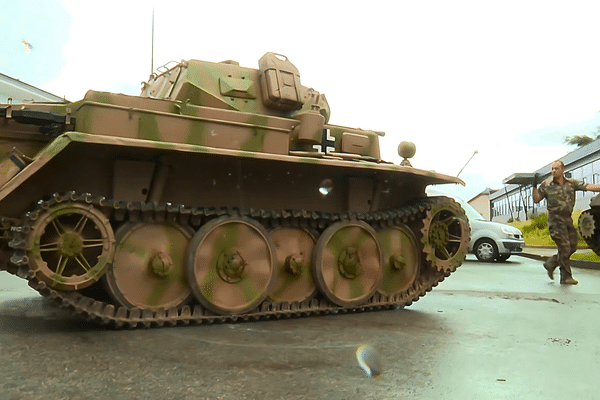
486, 250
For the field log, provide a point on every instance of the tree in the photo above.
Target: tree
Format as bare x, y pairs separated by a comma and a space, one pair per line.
582, 140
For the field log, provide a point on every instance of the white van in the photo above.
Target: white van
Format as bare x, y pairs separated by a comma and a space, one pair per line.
491, 241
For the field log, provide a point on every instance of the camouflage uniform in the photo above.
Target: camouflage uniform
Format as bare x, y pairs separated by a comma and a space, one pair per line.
561, 199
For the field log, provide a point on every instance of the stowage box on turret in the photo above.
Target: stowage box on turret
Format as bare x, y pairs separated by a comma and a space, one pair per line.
221, 193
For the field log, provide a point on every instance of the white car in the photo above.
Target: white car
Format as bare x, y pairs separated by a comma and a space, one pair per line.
491, 241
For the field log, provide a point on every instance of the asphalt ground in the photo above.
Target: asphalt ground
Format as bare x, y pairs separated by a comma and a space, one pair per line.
489, 331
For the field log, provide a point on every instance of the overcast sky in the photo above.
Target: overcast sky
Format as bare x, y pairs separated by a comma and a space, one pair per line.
505, 78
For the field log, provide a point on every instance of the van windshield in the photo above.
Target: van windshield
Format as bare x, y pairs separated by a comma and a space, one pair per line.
472, 213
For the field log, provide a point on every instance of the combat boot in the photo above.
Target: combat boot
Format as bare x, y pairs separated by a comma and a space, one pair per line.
568, 281
550, 266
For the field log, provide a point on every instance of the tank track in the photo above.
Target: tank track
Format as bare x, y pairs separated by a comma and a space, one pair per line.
121, 317
594, 243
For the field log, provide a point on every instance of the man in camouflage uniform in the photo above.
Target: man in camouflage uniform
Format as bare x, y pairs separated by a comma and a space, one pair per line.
560, 194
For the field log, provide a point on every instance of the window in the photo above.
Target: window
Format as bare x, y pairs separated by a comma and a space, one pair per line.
577, 174
587, 170
596, 167
588, 177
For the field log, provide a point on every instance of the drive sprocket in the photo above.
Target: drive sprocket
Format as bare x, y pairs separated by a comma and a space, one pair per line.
445, 234
587, 224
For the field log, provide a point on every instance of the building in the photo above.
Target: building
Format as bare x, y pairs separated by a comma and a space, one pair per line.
482, 203
21, 92
514, 201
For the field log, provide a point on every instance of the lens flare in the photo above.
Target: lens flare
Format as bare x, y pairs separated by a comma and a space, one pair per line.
369, 361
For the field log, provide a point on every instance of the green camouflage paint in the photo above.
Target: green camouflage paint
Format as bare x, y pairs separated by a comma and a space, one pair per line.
349, 236
178, 244
228, 239
255, 142
197, 134
290, 279
392, 276
148, 127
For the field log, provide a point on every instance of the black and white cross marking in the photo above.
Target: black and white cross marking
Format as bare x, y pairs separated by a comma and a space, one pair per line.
327, 143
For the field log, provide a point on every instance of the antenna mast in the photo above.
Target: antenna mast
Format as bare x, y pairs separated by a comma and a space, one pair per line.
461, 170
152, 52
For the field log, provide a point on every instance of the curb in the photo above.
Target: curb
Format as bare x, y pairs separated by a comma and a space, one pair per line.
574, 263
554, 247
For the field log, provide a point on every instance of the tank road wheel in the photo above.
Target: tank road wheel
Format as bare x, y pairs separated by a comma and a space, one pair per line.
347, 262
148, 270
293, 277
230, 265
445, 235
401, 259
587, 224
70, 246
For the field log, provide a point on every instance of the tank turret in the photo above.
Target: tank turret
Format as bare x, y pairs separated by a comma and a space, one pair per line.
274, 89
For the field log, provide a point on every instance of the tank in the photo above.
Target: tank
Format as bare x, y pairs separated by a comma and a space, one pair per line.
589, 226
220, 194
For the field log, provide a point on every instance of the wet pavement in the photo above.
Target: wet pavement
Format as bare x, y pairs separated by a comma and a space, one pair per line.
490, 331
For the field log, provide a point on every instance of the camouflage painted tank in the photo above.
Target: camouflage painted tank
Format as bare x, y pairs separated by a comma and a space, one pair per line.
221, 193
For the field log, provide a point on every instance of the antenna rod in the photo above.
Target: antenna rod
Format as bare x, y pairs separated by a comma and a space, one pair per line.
152, 53
461, 170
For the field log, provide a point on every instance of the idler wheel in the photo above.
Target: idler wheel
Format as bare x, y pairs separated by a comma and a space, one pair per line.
401, 259
293, 275
445, 235
70, 246
230, 265
347, 262
149, 266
